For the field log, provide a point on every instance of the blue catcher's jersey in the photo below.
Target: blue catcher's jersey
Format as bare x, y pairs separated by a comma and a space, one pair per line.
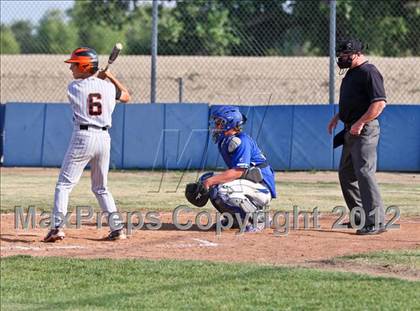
241, 151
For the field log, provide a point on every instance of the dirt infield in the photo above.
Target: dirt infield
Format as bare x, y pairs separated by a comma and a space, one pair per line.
223, 80
314, 248
304, 247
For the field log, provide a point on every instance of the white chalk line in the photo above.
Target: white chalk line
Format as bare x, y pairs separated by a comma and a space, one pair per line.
36, 248
201, 243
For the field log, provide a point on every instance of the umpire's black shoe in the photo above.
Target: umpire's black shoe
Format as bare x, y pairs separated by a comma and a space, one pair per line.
348, 224
356, 220
371, 229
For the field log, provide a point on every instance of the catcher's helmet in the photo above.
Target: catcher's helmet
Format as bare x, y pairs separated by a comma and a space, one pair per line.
225, 118
86, 58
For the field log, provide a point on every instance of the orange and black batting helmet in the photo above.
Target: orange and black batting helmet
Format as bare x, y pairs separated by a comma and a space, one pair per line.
86, 58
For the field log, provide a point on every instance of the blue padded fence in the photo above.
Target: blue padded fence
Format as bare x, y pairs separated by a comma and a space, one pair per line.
24, 134
58, 126
2, 113
399, 145
175, 136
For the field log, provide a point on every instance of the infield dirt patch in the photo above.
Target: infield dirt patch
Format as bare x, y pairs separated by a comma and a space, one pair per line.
303, 247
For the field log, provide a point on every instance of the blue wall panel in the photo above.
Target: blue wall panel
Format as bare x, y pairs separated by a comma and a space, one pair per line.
175, 136
57, 134
58, 131
312, 145
399, 144
272, 129
24, 128
212, 159
117, 136
2, 114
143, 136
248, 112
185, 137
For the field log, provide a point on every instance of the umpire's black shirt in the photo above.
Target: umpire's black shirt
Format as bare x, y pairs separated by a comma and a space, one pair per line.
361, 86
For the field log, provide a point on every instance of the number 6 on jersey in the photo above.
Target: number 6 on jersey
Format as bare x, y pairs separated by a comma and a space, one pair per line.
94, 104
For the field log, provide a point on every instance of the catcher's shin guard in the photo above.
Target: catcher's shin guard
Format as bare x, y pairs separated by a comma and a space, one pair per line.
232, 205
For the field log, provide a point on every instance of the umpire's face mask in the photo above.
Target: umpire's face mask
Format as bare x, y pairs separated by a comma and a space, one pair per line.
345, 60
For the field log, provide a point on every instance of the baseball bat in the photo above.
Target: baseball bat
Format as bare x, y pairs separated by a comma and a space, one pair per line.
114, 54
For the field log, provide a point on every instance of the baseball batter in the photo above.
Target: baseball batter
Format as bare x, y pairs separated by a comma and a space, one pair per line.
93, 100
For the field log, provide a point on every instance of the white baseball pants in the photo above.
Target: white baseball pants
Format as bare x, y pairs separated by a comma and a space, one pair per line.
243, 190
92, 147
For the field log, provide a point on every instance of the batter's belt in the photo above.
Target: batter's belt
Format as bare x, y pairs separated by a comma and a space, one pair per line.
85, 127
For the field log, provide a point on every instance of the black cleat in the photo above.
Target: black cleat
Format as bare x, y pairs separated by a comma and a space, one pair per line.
54, 235
371, 229
348, 224
117, 235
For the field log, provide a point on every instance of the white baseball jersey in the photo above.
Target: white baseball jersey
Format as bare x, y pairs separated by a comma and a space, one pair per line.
92, 100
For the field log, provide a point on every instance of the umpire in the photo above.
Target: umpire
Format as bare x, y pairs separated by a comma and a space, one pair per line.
362, 100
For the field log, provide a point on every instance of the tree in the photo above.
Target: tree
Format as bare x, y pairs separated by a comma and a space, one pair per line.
251, 27
412, 14
54, 35
139, 30
23, 32
311, 21
206, 28
383, 25
8, 43
110, 14
101, 23
260, 26
102, 39
170, 32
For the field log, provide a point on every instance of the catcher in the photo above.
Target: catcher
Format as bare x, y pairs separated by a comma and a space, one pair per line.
246, 188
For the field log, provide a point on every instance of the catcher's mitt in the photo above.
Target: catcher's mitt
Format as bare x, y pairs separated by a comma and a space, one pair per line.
197, 194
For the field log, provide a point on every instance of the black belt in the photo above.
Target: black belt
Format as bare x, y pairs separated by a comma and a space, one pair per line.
86, 127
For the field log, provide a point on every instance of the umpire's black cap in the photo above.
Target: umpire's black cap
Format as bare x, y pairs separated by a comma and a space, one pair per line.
349, 46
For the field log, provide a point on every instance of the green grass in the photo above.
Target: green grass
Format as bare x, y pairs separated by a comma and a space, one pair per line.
406, 259
141, 190
29, 283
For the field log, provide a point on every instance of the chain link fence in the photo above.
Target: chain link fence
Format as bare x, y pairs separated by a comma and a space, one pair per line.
218, 51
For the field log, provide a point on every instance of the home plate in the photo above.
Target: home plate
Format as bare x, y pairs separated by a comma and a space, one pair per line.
205, 243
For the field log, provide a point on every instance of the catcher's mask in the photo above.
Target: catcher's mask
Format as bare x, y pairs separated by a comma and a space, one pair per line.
85, 58
223, 119
345, 50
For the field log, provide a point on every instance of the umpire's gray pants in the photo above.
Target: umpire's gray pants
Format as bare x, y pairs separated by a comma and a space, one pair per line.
357, 173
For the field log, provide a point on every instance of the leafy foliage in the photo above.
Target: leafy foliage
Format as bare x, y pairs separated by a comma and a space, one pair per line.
55, 35
23, 33
223, 27
8, 42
